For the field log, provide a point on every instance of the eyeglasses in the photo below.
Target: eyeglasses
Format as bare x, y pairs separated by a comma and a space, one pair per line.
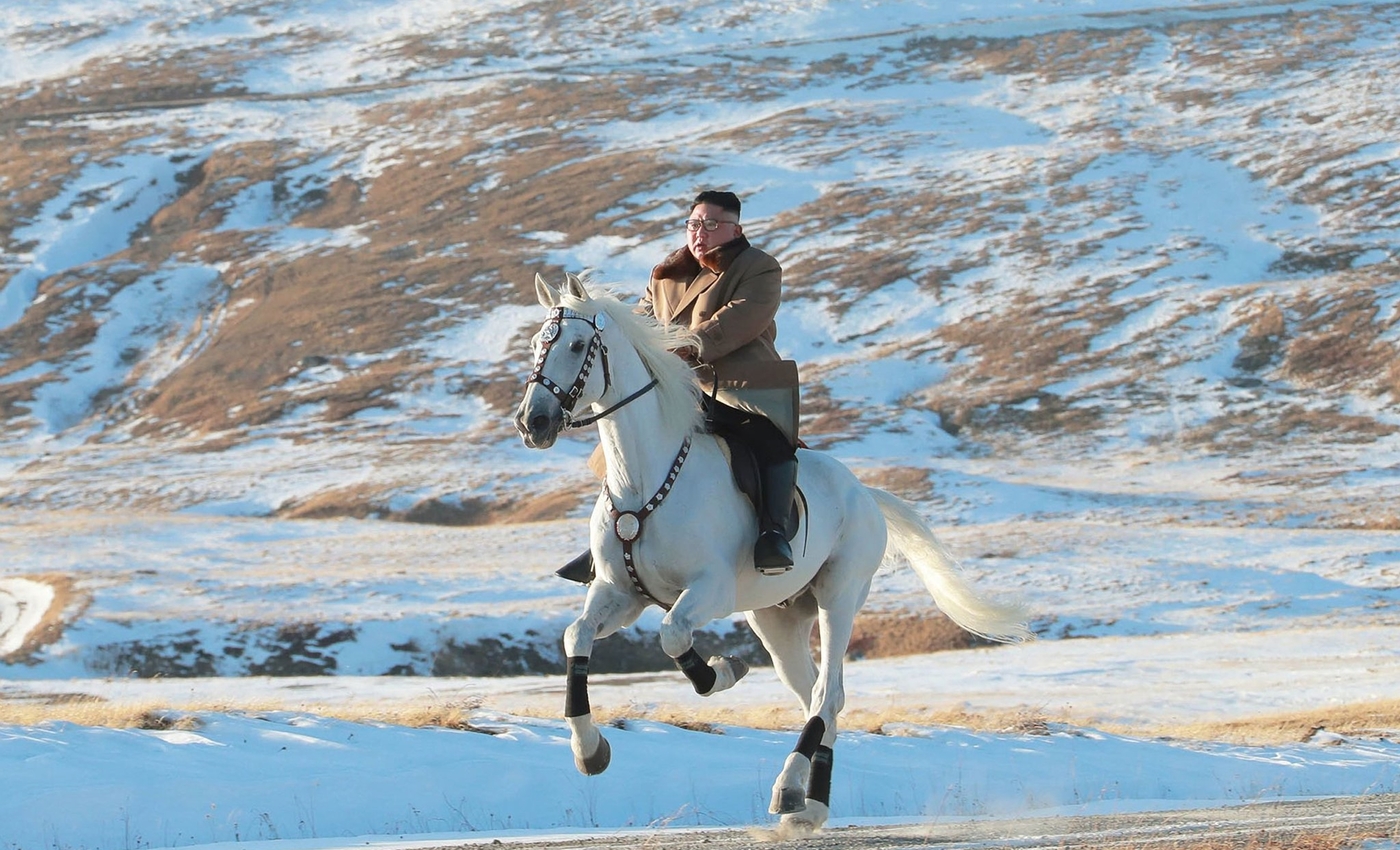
710, 224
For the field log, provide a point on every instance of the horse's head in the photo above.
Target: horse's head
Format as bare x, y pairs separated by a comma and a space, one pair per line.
566, 347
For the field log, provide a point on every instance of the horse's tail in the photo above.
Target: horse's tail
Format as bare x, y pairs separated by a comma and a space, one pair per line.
910, 537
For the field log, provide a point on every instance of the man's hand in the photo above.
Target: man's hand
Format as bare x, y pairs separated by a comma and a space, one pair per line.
689, 354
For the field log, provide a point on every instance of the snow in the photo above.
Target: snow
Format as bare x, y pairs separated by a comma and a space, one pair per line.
1180, 621
1216, 625
94, 218
286, 775
22, 606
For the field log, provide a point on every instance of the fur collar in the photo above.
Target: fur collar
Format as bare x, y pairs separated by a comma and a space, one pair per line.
681, 265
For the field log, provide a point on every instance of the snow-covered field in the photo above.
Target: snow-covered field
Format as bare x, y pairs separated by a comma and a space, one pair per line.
291, 775
1188, 624
1185, 562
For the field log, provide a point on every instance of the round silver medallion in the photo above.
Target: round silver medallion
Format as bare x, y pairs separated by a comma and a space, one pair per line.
550, 332
627, 526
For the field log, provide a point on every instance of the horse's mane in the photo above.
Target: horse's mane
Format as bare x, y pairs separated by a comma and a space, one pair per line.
678, 391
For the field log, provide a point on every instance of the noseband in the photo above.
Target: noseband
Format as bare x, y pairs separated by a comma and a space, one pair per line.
549, 333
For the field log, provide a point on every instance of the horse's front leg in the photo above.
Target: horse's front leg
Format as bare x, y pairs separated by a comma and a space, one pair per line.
606, 609
708, 598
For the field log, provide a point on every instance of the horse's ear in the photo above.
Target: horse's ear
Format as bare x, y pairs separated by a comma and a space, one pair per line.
548, 295
574, 288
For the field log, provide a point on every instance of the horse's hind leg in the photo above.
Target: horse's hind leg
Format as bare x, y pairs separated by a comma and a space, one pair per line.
802, 792
805, 782
606, 610
786, 633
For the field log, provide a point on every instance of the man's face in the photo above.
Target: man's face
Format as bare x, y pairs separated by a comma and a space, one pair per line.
701, 240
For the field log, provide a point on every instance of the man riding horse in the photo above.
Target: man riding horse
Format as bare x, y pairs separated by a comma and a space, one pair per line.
727, 292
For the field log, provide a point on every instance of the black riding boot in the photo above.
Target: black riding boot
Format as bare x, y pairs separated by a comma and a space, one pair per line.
580, 569
771, 554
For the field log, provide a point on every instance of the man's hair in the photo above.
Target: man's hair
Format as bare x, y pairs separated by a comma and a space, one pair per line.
727, 201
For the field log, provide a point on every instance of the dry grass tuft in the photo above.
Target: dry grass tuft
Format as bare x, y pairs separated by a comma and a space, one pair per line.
168, 721
1361, 721
1369, 520
1020, 720
360, 501
1341, 724
89, 711
894, 720
754, 717
444, 716
1368, 720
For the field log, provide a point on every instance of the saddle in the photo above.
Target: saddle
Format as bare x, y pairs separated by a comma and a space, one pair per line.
743, 464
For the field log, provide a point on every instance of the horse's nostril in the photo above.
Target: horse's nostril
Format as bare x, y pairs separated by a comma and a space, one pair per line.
539, 423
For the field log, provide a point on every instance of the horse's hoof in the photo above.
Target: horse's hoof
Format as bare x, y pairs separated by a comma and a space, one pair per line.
728, 671
805, 822
739, 666
788, 801
596, 763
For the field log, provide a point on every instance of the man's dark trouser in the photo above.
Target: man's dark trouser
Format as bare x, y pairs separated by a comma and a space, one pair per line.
777, 476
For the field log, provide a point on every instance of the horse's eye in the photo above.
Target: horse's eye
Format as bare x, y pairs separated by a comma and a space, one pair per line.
576, 346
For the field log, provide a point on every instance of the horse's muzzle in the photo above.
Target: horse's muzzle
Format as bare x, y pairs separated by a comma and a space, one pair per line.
539, 424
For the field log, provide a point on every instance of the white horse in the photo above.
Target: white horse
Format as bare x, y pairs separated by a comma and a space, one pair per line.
670, 528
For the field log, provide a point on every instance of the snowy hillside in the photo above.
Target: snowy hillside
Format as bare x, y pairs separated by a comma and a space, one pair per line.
1123, 263
278, 259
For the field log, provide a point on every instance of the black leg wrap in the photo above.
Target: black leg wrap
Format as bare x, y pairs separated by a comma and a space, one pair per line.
576, 687
819, 782
811, 737
697, 671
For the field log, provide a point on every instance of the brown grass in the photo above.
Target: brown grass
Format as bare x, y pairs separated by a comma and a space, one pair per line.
359, 502
1369, 520
1366, 720
887, 634
1240, 430
1358, 721
86, 710
1338, 340
91, 711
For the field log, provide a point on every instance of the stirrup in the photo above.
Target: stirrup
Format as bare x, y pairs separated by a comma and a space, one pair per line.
580, 569
772, 556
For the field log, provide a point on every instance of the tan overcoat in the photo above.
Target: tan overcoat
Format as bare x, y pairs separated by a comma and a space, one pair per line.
731, 301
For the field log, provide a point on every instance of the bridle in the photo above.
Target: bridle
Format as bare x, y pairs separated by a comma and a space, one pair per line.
549, 333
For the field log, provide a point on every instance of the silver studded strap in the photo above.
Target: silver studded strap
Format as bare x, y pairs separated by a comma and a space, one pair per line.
627, 525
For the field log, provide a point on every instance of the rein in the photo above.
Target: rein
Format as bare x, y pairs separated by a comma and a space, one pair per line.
589, 420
